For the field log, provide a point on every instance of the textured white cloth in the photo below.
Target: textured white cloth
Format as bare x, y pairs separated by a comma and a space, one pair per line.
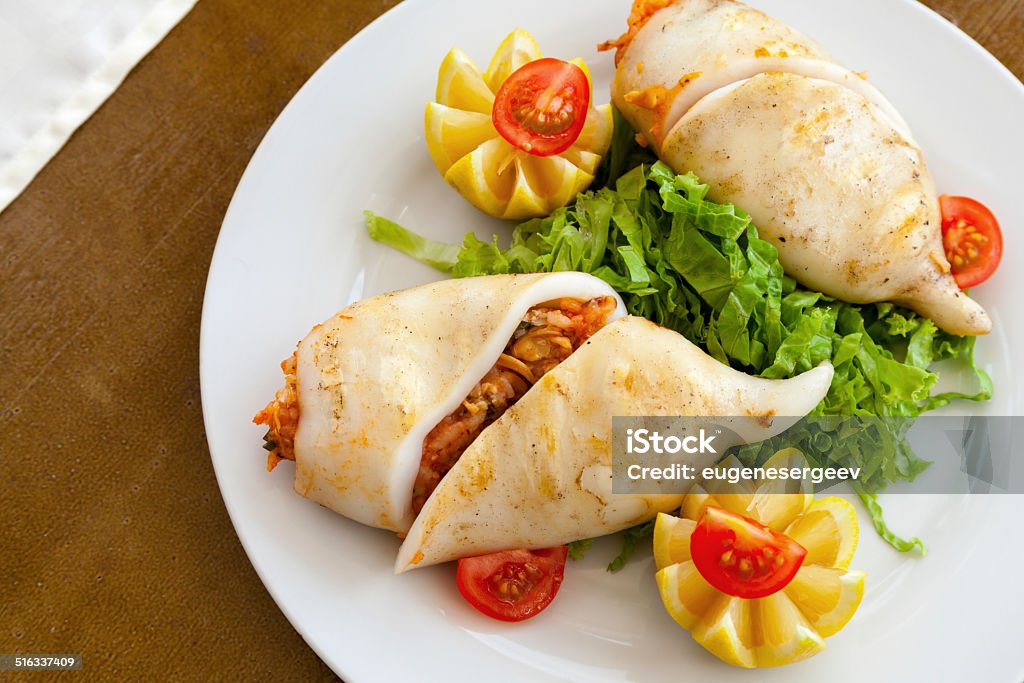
59, 61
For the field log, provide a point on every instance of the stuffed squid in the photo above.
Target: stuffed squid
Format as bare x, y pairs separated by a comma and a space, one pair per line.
475, 414
823, 163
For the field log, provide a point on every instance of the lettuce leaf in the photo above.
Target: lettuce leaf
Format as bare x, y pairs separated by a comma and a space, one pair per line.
874, 508
631, 538
577, 549
440, 255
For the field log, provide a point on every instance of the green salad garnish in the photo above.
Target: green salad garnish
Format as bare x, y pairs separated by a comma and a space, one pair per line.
700, 268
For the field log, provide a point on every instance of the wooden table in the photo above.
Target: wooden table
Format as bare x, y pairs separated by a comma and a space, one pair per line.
115, 542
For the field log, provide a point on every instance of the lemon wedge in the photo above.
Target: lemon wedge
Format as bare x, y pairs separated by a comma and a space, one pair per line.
454, 133
518, 48
829, 532
672, 539
460, 85
688, 598
725, 633
494, 176
827, 596
779, 633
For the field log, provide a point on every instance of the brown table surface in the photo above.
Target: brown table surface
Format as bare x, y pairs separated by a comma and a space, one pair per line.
116, 543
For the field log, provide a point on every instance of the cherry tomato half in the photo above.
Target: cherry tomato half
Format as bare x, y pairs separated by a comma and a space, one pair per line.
741, 557
972, 239
542, 106
512, 585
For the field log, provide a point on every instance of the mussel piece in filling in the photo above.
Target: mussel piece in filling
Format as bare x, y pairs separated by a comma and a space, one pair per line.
549, 333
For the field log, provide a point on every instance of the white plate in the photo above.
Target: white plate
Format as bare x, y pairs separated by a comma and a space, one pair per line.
293, 251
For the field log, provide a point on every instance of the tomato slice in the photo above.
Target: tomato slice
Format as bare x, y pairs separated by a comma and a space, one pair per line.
741, 557
972, 239
542, 106
512, 585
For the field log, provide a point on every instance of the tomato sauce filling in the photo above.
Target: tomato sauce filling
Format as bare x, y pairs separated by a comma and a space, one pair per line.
281, 416
549, 333
639, 15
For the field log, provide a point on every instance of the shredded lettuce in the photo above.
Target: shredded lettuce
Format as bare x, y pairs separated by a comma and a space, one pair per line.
577, 549
440, 255
631, 538
701, 269
874, 508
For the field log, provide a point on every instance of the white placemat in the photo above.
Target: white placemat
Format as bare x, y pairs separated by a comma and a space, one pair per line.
59, 61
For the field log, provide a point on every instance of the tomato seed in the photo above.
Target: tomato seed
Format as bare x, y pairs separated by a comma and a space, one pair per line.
746, 569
